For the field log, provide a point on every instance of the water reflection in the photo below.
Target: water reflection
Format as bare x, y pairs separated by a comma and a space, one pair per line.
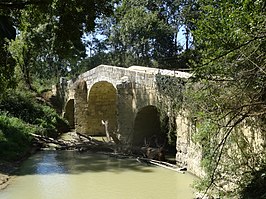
72, 162
69, 174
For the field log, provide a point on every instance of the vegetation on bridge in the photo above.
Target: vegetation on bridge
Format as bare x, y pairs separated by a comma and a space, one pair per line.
224, 47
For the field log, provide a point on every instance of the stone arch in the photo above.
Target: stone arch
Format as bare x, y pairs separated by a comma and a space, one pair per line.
81, 106
147, 126
102, 105
69, 113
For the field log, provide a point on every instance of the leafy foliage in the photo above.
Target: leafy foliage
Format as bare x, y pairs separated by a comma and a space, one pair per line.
170, 99
21, 115
7, 63
143, 33
24, 107
14, 137
7, 67
50, 35
228, 102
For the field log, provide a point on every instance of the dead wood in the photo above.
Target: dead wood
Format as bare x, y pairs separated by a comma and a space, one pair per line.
83, 142
85, 145
162, 164
115, 139
41, 138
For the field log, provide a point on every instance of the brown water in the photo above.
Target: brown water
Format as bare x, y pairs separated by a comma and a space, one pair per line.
74, 175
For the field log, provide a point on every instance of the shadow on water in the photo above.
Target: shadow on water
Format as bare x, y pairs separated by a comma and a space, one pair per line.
73, 162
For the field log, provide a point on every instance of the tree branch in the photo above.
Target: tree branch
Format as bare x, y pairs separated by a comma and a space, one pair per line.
232, 50
220, 148
244, 106
22, 4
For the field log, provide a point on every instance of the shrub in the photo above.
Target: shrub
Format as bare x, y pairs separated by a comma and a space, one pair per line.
24, 106
21, 115
14, 137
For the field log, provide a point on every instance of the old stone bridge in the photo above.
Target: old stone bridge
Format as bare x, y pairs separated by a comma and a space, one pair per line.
128, 98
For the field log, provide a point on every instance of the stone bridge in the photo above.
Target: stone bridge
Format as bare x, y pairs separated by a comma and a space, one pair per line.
126, 97
129, 99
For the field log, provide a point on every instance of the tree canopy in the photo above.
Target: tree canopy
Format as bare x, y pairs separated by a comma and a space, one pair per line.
49, 34
146, 33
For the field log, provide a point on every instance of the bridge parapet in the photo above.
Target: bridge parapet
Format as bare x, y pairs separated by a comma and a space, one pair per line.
116, 75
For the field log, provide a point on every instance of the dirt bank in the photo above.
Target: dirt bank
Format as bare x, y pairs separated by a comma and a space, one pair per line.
6, 170
4, 180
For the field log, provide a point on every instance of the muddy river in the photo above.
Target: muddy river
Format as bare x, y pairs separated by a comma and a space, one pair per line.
74, 175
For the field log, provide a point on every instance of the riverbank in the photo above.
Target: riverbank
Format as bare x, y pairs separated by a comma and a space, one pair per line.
6, 173
4, 179
7, 169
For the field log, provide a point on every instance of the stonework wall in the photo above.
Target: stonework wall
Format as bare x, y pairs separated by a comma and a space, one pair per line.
132, 98
188, 153
126, 110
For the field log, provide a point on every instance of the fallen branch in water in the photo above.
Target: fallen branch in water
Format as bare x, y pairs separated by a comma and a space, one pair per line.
88, 144
162, 164
84, 143
44, 139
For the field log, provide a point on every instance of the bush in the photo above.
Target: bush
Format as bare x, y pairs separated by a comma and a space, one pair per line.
15, 137
21, 115
25, 107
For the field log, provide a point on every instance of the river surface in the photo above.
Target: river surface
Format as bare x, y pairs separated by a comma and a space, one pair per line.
74, 175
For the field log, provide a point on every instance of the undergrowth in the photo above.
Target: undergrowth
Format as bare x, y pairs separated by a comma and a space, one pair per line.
20, 116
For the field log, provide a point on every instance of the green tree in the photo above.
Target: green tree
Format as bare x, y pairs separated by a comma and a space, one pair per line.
143, 33
7, 64
230, 98
51, 33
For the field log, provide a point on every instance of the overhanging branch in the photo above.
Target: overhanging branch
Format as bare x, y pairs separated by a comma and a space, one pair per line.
218, 152
21, 4
236, 48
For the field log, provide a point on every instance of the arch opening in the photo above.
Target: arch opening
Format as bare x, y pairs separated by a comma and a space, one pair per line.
102, 105
69, 113
147, 127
